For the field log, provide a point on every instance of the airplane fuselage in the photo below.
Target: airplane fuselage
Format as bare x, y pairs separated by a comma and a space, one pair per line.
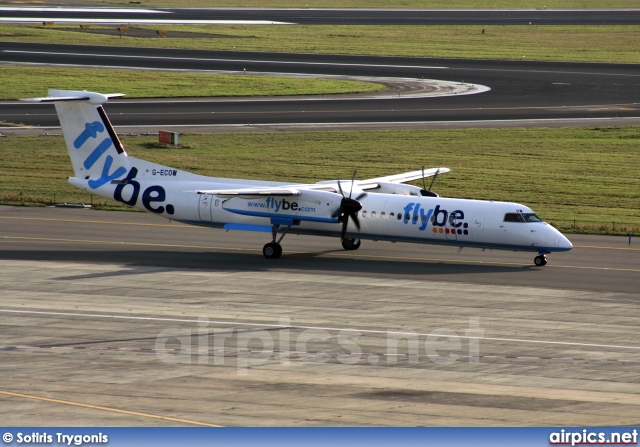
169, 193
381, 208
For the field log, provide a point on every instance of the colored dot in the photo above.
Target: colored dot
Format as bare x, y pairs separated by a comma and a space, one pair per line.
466, 225
446, 230
459, 231
435, 230
466, 232
170, 209
440, 230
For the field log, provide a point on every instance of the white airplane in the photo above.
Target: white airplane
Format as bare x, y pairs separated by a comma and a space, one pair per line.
382, 208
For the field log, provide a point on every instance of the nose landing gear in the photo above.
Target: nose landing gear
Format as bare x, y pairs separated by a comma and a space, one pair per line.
540, 260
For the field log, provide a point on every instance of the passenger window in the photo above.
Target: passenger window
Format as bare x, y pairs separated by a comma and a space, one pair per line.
408, 217
415, 218
382, 215
399, 216
364, 214
392, 215
373, 214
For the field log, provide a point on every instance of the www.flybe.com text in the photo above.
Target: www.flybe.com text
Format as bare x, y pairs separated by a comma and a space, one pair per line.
282, 204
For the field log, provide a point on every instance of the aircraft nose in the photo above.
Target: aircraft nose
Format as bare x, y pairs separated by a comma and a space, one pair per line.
557, 239
564, 243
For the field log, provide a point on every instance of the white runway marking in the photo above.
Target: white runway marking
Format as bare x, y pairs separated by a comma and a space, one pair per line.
140, 21
364, 331
258, 61
91, 10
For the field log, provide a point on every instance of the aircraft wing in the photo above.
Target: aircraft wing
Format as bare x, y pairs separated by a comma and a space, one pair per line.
402, 178
326, 186
250, 192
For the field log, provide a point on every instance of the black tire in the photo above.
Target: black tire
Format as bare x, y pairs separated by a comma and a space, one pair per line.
351, 244
540, 260
272, 250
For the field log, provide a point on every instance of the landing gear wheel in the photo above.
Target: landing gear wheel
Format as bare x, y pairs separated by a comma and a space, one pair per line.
351, 244
540, 260
272, 250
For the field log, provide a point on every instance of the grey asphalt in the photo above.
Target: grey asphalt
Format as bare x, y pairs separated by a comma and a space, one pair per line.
313, 16
520, 90
179, 325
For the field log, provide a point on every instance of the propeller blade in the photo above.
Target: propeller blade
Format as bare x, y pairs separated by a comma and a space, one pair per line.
349, 207
340, 188
361, 196
353, 179
434, 178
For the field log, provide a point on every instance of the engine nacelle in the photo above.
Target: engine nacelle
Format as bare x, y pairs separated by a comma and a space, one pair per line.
313, 206
398, 188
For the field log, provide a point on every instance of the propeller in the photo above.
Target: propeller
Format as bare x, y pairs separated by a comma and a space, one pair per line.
349, 207
425, 191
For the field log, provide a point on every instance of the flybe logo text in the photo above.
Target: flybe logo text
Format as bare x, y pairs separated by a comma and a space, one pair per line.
154, 194
282, 204
439, 218
93, 131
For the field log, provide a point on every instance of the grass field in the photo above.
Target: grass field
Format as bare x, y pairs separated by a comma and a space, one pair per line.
22, 82
581, 179
591, 175
552, 43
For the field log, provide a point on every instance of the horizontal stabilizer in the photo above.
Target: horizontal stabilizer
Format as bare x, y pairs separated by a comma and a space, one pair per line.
69, 95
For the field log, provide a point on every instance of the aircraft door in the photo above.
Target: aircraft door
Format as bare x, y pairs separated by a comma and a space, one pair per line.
204, 207
477, 227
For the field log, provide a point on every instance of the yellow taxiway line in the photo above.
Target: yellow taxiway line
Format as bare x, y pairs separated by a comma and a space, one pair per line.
114, 410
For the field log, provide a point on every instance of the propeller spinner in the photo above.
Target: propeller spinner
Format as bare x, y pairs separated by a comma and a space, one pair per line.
349, 207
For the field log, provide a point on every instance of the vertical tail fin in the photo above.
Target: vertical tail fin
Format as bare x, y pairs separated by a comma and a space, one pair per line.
95, 150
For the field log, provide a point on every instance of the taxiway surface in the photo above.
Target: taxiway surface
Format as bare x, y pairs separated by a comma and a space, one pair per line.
126, 319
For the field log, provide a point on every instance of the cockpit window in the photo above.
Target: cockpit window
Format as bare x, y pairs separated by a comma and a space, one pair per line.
524, 217
530, 217
513, 217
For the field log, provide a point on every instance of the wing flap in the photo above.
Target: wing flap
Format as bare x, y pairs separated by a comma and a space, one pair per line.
249, 193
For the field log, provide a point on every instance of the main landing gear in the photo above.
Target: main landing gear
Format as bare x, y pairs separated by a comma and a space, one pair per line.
273, 249
350, 243
540, 260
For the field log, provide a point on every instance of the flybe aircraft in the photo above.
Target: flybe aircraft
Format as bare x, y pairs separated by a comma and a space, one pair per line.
382, 208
